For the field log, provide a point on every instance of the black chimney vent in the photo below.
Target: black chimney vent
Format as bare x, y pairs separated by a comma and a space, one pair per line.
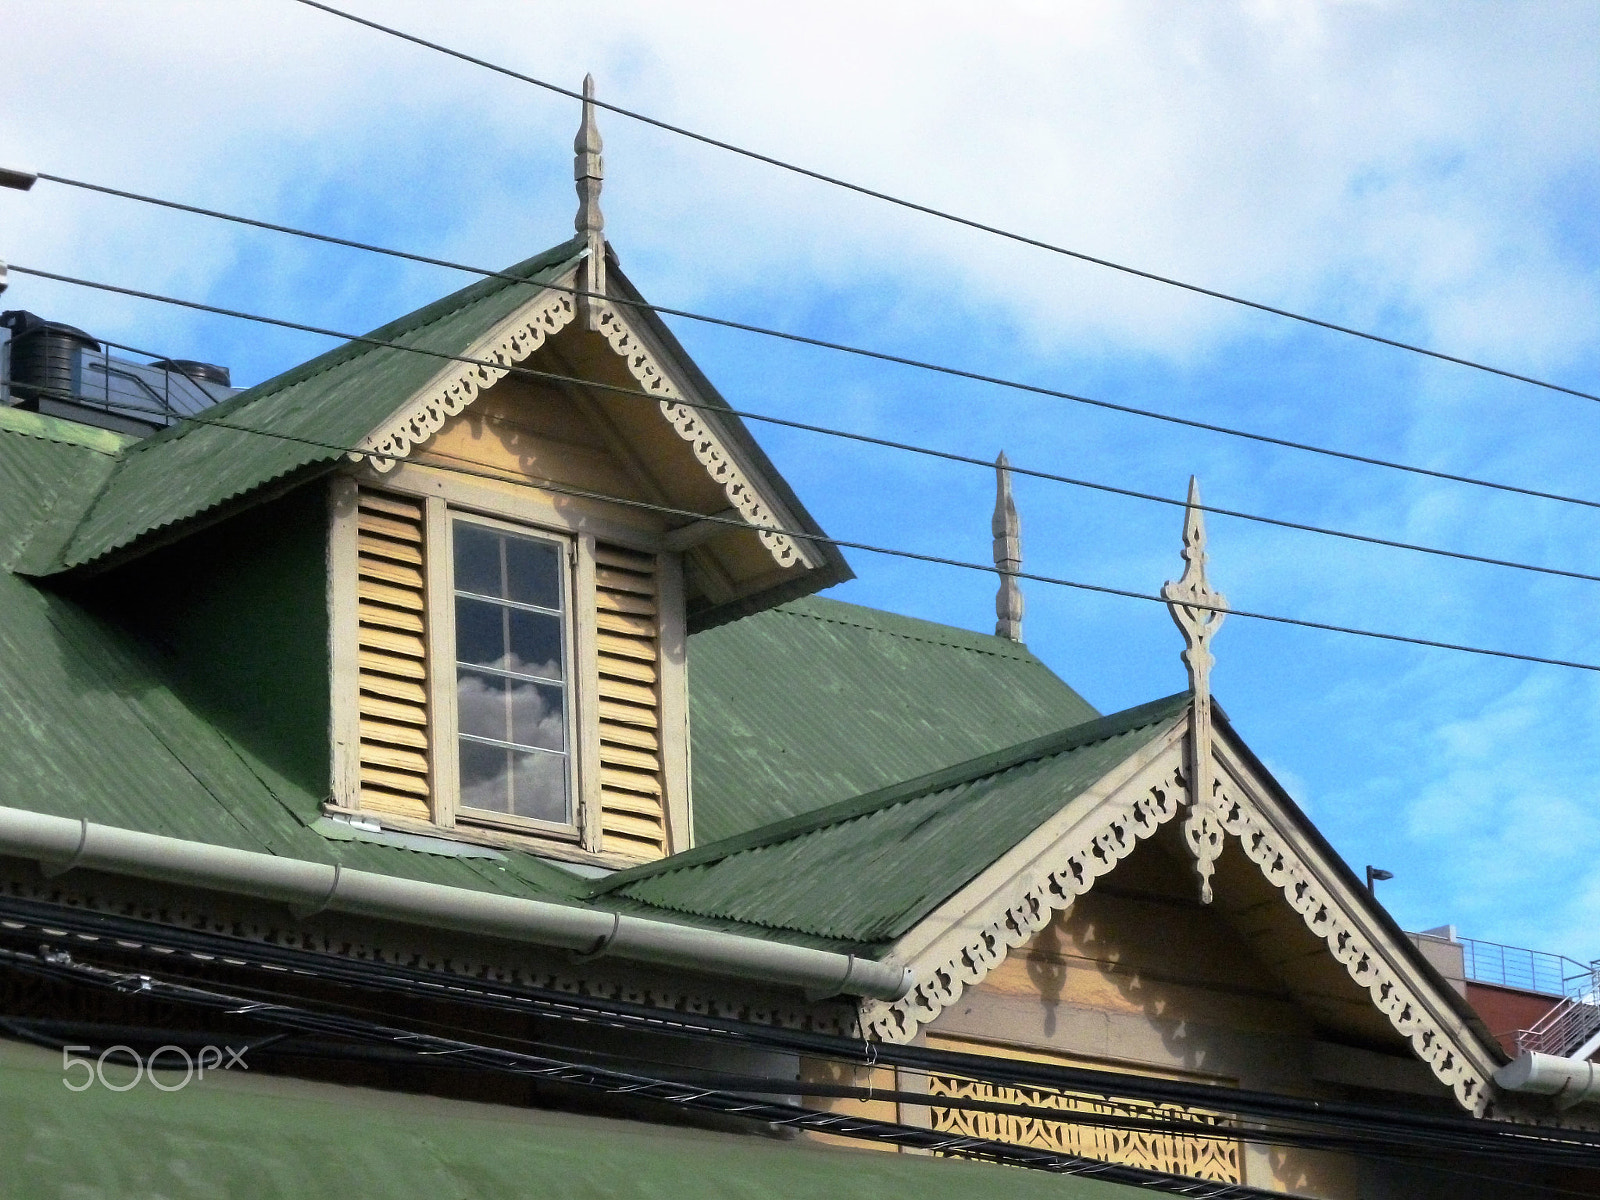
42, 356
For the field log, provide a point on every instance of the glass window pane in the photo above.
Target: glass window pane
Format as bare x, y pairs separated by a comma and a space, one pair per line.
537, 716
539, 786
477, 558
480, 632
485, 776
535, 644
481, 705
533, 572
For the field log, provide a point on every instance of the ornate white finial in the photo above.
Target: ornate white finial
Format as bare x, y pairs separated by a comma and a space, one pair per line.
1007, 529
588, 170
1198, 611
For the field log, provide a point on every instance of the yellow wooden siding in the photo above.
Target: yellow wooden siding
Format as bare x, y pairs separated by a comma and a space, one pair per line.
392, 657
632, 812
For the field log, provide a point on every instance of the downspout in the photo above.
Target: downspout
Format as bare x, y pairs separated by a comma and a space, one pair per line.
60, 844
1567, 1081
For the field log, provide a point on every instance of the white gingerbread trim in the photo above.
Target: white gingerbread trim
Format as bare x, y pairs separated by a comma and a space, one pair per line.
1450, 1050
1105, 825
693, 428
454, 388
966, 948
459, 384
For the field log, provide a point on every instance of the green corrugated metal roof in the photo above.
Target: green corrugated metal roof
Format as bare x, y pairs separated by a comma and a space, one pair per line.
95, 728
794, 710
867, 870
253, 1137
332, 401
817, 701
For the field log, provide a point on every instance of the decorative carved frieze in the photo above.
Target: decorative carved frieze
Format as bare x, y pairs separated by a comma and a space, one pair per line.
1203, 1156
457, 962
693, 428
1328, 918
1095, 853
465, 382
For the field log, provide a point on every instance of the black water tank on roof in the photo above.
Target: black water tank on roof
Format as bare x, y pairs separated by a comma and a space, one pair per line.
200, 372
42, 355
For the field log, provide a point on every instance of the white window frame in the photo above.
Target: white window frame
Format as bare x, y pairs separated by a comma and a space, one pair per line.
442, 666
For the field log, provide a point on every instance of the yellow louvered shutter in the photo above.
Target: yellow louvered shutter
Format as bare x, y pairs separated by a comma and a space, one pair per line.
632, 816
393, 657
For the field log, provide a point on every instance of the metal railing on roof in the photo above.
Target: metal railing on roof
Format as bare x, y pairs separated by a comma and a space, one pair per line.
1527, 970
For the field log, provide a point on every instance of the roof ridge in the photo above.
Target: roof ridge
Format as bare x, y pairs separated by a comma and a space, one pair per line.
1026, 655
1051, 744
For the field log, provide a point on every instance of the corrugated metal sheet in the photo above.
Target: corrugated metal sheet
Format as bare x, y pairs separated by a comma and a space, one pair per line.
50, 471
330, 402
818, 701
94, 728
867, 870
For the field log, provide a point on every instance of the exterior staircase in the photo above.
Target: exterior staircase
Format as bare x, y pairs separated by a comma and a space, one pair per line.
1571, 1029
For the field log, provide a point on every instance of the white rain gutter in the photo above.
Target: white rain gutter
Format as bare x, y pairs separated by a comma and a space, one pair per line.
1568, 1081
60, 844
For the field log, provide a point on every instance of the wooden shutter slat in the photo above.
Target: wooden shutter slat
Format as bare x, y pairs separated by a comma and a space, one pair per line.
393, 618
622, 756
393, 758
408, 645
375, 502
630, 781
643, 828
392, 710
399, 781
645, 849
627, 714
398, 689
394, 735
387, 572
612, 622
625, 581
389, 664
628, 668
631, 693
392, 804
627, 647
627, 802
625, 603
405, 531
626, 560
627, 735
378, 593
401, 552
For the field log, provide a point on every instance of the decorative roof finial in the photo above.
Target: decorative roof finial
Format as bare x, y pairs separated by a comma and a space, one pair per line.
1007, 529
1198, 611
588, 170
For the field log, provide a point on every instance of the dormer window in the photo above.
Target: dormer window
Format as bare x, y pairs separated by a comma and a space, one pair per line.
513, 662
502, 673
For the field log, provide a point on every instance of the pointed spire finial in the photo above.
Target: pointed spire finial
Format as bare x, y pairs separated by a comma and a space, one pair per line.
1198, 611
588, 172
1007, 529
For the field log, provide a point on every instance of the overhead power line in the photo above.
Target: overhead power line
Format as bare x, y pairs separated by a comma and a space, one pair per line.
944, 215
689, 515
841, 347
865, 439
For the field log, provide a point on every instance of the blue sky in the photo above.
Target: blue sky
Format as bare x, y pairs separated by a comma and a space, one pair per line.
1428, 171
